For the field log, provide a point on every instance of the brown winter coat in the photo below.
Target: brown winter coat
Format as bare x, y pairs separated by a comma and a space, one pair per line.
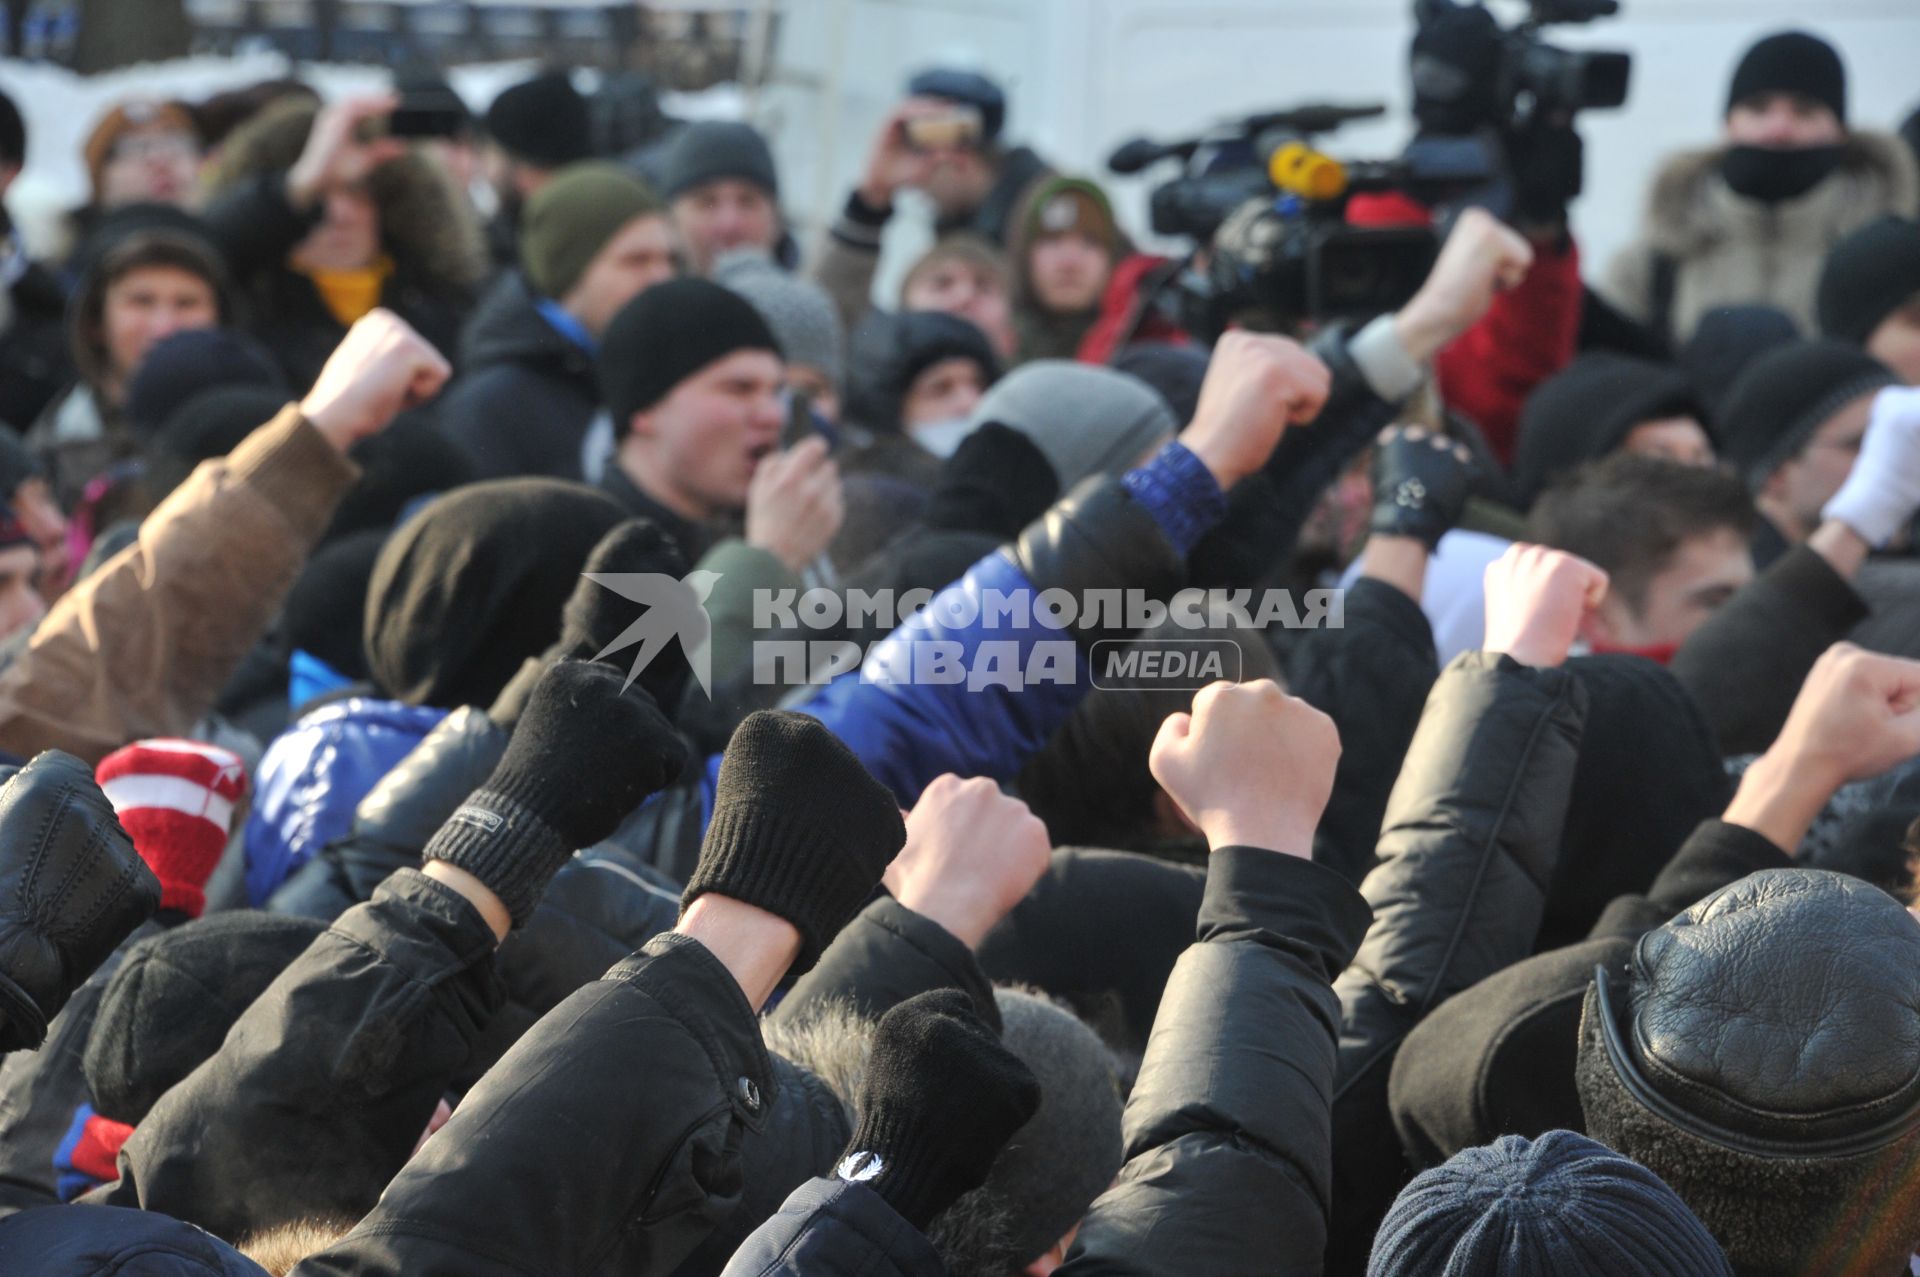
1729, 250
141, 647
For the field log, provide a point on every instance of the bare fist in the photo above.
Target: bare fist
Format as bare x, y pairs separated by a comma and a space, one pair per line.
1536, 599
1857, 715
972, 854
1256, 386
1482, 256
1250, 766
795, 504
381, 367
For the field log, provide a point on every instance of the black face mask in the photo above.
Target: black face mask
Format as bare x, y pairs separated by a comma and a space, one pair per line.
1772, 174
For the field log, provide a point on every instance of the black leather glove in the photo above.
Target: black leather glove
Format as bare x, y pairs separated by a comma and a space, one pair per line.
584, 754
1421, 482
941, 1098
72, 887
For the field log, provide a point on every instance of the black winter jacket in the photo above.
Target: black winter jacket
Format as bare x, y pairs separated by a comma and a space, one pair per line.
1469, 842
1372, 678
256, 228
526, 394
325, 1084
1746, 664
1498, 1059
1228, 1142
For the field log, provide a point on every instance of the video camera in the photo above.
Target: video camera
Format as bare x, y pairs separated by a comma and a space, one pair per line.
1271, 211
1468, 73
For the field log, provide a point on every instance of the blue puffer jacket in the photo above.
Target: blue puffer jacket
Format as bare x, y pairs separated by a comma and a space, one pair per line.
85, 1241
831, 1228
1134, 533
313, 776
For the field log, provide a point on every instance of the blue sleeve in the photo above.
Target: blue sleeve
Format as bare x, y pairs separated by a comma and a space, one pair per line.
910, 718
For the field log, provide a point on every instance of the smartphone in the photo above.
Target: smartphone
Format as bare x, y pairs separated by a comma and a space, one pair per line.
426, 117
951, 131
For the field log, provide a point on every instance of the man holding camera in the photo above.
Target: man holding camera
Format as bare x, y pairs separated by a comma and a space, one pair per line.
944, 139
1752, 219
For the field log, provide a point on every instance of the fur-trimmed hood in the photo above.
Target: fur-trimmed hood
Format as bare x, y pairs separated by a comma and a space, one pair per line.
426, 224
1689, 205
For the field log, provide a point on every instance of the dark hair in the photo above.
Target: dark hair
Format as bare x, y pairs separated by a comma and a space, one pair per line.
1090, 784
13, 132
1628, 514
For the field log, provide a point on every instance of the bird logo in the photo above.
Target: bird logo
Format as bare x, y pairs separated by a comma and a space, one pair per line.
673, 608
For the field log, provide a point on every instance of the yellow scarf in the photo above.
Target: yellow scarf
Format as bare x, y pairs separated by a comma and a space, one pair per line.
350, 294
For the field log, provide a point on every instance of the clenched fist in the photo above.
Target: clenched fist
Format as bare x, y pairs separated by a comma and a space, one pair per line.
1251, 766
380, 368
972, 854
1536, 599
1256, 386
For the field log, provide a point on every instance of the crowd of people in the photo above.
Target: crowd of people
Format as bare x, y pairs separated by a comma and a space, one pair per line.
370, 907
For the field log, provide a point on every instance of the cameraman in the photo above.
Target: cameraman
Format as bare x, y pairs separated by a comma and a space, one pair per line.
1751, 220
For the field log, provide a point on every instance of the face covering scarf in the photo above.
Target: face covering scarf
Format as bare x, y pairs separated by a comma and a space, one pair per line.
1773, 174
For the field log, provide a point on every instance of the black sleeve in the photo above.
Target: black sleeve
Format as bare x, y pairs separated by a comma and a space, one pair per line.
1372, 677
606, 1140
326, 1083
397, 818
1746, 664
887, 954
1228, 1141
1470, 839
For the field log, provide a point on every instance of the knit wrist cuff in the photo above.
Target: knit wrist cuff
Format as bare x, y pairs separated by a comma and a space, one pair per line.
793, 869
506, 846
1180, 493
1391, 372
901, 1163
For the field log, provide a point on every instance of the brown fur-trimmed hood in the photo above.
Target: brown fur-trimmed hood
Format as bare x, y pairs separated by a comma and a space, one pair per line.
1687, 202
426, 224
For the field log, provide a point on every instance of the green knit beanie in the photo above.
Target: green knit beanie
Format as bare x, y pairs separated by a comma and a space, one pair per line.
570, 219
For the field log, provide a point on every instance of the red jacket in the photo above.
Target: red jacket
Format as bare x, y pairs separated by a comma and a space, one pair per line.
1527, 335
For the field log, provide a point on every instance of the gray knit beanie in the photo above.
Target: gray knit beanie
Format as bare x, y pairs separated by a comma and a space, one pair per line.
798, 310
1086, 419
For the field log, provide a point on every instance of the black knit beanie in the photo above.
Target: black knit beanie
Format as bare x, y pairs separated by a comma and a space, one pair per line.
1787, 394
186, 363
169, 1005
1725, 341
1791, 62
542, 121
667, 334
326, 610
471, 586
709, 150
1869, 275
800, 828
1557, 1206
1586, 410
210, 424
